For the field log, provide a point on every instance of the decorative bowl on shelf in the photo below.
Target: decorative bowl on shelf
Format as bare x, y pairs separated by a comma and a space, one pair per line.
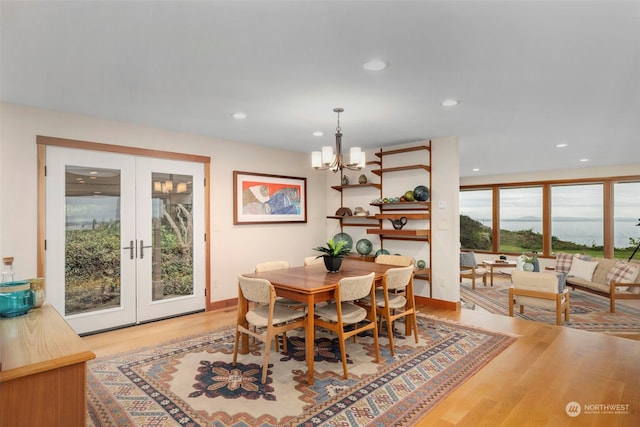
364, 247
344, 236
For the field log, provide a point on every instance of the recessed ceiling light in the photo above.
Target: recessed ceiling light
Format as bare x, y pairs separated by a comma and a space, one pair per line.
584, 160
476, 169
562, 145
318, 133
450, 102
239, 115
375, 65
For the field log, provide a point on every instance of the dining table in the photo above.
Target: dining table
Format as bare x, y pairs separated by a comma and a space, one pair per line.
310, 284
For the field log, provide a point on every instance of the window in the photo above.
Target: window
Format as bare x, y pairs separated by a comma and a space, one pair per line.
475, 219
577, 219
521, 219
596, 216
626, 225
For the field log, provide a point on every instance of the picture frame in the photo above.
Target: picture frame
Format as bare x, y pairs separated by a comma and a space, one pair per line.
260, 198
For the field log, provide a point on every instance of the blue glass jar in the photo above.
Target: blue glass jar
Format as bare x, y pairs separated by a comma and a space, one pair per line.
16, 298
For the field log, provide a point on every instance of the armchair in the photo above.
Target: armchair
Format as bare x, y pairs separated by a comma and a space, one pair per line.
539, 289
469, 269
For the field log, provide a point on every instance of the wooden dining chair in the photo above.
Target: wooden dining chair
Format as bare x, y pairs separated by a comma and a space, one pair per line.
279, 265
270, 318
313, 259
391, 305
343, 313
400, 260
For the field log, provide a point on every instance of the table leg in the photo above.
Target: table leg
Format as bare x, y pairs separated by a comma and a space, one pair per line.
491, 274
310, 338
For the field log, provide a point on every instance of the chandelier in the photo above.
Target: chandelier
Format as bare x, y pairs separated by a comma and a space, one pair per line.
326, 159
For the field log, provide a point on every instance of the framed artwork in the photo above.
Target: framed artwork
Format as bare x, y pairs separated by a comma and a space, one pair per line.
260, 198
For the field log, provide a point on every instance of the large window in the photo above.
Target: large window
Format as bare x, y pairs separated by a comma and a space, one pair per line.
598, 216
577, 219
521, 219
626, 214
475, 219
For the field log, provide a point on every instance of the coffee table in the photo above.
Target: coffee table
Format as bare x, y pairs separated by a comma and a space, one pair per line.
497, 263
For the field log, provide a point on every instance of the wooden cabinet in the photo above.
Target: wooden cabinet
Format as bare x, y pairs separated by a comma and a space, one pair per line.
43, 372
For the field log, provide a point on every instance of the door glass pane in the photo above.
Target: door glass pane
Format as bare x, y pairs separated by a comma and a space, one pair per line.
521, 219
475, 219
92, 239
626, 225
577, 219
172, 227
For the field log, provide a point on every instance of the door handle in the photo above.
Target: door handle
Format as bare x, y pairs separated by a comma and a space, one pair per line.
142, 246
131, 248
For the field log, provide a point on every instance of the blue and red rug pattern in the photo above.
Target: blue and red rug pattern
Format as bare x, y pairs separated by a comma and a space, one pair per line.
192, 382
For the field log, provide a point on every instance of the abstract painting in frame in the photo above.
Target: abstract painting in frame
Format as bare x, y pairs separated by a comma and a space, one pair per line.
261, 198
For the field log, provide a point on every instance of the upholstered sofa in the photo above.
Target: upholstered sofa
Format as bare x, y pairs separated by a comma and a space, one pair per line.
610, 278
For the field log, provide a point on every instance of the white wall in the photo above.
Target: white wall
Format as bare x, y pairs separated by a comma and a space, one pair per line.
235, 249
445, 219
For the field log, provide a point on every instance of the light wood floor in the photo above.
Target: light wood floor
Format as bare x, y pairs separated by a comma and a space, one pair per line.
529, 384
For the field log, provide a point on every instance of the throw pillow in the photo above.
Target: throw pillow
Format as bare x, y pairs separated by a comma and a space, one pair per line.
563, 262
623, 272
582, 269
468, 259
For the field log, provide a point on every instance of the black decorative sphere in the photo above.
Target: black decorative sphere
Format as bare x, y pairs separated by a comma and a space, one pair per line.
421, 193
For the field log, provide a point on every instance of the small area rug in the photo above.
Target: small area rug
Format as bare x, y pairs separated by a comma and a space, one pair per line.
587, 311
191, 381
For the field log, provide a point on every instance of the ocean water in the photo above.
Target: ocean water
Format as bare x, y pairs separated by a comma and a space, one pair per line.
584, 231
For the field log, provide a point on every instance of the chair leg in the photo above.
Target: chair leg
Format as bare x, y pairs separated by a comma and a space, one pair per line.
235, 347
375, 344
390, 332
343, 354
414, 321
267, 349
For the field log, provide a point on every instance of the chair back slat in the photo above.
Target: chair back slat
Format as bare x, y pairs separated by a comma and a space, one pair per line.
398, 278
255, 290
271, 265
354, 288
313, 259
400, 260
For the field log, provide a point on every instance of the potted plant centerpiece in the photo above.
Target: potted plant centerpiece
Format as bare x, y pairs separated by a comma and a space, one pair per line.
333, 254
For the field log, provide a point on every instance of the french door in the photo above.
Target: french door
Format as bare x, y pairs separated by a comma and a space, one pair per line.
125, 237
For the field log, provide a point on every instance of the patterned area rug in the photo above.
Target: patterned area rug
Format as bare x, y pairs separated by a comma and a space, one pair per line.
191, 382
586, 311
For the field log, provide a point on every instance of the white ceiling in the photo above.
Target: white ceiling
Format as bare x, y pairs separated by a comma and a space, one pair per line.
528, 74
